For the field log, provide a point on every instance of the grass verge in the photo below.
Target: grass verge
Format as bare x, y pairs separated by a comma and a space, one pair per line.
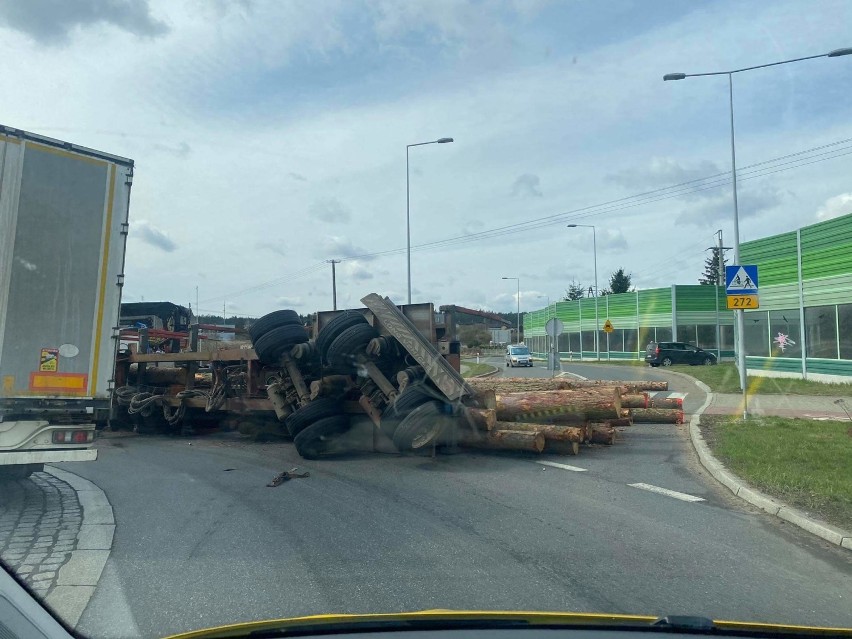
472, 369
802, 462
724, 378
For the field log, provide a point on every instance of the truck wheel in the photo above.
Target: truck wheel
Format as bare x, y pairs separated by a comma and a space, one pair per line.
411, 398
421, 427
273, 320
351, 342
335, 326
319, 438
272, 345
318, 409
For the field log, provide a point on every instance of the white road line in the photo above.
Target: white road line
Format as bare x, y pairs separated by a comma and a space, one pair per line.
574, 375
677, 395
576, 469
667, 492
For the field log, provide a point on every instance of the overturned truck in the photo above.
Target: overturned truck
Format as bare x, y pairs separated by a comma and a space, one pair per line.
381, 378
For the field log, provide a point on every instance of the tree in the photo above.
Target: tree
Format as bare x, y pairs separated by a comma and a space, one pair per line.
710, 276
619, 282
474, 335
574, 292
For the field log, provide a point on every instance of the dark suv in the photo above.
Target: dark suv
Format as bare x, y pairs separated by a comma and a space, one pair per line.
668, 353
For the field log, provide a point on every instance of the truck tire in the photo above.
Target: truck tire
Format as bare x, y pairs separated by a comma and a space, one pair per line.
318, 438
318, 409
407, 401
272, 345
421, 427
273, 320
335, 326
351, 342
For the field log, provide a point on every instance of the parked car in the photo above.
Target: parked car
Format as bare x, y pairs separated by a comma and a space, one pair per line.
518, 355
668, 353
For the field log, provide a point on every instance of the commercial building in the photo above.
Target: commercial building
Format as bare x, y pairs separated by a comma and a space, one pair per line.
803, 327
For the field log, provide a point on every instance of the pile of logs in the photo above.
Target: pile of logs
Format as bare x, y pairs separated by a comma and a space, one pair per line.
558, 415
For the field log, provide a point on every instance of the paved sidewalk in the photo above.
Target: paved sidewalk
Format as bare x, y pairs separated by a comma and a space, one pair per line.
804, 406
40, 519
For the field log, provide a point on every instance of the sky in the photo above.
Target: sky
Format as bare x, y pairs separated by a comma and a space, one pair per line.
271, 137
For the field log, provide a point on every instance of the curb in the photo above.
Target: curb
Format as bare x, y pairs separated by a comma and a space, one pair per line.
78, 578
494, 372
753, 496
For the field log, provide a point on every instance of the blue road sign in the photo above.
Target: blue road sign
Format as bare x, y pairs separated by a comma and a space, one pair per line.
741, 279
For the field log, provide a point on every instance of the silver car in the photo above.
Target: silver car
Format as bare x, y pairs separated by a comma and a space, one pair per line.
518, 355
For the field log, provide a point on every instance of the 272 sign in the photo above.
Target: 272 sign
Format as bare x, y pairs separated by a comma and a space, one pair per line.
744, 302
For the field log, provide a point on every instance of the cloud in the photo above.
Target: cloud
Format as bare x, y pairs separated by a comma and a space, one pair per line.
611, 239
288, 302
180, 151
333, 246
152, 235
708, 210
356, 271
527, 185
835, 207
297, 176
663, 172
50, 22
330, 210
275, 247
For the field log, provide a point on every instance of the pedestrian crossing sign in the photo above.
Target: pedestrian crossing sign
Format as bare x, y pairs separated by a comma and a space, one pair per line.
741, 279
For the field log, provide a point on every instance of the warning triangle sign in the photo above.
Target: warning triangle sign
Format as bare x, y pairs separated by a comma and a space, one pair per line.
741, 281
607, 327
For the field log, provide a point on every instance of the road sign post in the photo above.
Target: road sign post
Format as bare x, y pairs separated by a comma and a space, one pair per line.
554, 328
741, 290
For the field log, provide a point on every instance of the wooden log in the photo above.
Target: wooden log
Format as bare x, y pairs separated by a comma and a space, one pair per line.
666, 402
555, 407
505, 440
625, 413
657, 416
483, 398
602, 434
561, 448
620, 421
633, 385
639, 400
551, 432
518, 384
482, 418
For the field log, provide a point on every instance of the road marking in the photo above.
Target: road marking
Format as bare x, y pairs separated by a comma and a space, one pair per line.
667, 492
677, 395
575, 375
576, 469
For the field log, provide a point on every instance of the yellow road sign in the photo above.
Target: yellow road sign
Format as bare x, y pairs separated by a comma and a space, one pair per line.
607, 327
737, 302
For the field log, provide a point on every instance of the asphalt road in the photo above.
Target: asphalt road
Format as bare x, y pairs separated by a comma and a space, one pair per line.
200, 540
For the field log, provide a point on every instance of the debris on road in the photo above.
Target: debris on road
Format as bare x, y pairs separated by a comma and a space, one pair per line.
287, 475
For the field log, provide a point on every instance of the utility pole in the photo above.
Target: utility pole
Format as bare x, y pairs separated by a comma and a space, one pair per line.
720, 281
333, 282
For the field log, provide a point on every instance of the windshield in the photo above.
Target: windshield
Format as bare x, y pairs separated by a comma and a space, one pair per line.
378, 306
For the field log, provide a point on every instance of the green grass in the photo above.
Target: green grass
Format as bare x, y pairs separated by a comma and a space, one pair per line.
472, 369
724, 378
805, 463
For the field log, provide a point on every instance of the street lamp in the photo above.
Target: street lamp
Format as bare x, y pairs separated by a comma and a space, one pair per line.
408, 205
518, 280
597, 291
740, 315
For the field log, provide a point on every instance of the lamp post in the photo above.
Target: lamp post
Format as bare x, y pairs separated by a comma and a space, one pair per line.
518, 280
408, 204
597, 290
740, 333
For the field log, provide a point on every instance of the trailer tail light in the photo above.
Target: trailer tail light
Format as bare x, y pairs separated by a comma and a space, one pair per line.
73, 436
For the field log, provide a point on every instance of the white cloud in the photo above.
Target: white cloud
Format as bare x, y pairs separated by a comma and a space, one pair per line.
152, 235
333, 247
527, 185
330, 209
835, 207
